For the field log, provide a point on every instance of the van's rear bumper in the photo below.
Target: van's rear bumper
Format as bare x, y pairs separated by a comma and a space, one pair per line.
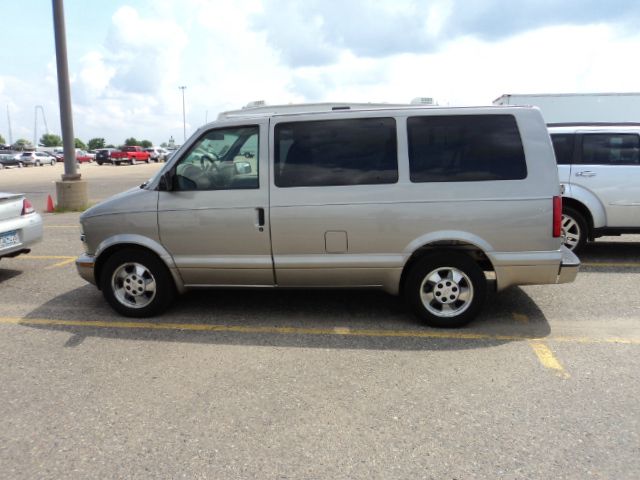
535, 268
569, 266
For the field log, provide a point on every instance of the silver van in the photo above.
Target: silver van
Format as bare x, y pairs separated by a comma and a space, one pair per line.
425, 202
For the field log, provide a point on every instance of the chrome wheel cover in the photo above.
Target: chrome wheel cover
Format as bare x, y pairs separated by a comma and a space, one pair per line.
133, 285
446, 292
571, 232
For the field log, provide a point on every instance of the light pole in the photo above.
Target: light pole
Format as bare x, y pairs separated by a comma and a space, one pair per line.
71, 190
184, 121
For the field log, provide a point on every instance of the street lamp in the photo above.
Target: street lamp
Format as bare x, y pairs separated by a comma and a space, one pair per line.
184, 122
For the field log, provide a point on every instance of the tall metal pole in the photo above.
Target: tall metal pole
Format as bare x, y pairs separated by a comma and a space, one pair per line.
184, 121
64, 93
9, 122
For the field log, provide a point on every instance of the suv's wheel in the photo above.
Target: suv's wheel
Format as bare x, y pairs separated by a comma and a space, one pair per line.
136, 283
52, 162
446, 289
574, 229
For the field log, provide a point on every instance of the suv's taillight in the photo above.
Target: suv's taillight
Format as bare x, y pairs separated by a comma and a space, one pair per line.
557, 216
27, 208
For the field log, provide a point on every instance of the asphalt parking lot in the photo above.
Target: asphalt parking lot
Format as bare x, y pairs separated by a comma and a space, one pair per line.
311, 384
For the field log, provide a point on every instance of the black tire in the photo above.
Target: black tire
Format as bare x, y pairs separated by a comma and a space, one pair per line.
99, 162
575, 229
443, 283
133, 277
132, 161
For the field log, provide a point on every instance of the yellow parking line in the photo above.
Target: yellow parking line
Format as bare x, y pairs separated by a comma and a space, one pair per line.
62, 263
45, 257
547, 359
341, 331
612, 264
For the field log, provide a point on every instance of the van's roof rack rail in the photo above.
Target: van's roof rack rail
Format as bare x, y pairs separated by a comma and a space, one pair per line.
265, 110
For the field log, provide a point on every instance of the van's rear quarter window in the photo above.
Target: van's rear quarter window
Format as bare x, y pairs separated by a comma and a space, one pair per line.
465, 148
360, 151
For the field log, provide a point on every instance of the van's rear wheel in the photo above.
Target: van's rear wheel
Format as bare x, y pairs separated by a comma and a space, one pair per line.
574, 229
446, 289
136, 283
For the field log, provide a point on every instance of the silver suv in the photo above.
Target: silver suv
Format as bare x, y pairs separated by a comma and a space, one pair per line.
599, 166
424, 202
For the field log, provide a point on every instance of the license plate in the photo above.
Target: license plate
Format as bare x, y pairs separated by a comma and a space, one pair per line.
9, 239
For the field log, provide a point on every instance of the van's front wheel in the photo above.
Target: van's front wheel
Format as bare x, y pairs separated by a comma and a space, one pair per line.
446, 289
136, 283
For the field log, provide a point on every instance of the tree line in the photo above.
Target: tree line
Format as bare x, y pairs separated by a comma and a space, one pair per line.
53, 140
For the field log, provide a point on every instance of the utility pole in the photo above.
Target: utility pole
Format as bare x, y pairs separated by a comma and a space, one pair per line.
184, 121
35, 124
72, 192
9, 122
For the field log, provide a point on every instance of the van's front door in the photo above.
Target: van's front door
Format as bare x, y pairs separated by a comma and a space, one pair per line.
214, 218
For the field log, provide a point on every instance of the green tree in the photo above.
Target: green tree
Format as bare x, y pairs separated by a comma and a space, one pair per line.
50, 140
164, 144
111, 145
22, 144
95, 143
80, 144
146, 144
131, 142
2, 140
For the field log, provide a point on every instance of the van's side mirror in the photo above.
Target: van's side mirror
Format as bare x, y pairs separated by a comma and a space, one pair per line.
166, 182
243, 167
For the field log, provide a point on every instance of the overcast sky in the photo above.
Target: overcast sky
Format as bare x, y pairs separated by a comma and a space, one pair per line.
128, 58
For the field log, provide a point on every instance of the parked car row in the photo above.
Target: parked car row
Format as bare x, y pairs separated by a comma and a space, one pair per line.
130, 155
26, 159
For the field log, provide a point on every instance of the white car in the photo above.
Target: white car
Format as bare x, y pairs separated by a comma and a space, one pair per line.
37, 159
599, 166
20, 225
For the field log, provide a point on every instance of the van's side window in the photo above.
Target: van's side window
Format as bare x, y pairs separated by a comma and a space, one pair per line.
221, 159
359, 151
465, 148
611, 149
563, 147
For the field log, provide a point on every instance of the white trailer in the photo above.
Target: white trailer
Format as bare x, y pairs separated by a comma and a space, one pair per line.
580, 107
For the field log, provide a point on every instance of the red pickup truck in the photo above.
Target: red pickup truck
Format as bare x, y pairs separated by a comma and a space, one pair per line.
130, 155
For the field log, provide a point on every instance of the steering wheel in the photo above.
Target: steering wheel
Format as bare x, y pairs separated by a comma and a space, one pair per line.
208, 163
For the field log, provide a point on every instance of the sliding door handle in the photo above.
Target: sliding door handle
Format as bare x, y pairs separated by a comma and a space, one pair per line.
260, 214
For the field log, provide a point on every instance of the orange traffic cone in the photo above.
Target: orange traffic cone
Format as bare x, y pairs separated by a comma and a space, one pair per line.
50, 206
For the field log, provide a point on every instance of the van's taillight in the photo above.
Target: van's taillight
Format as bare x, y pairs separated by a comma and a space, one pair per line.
557, 216
27, 208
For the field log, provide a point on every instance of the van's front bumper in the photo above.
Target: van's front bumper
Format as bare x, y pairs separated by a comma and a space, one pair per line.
85, 264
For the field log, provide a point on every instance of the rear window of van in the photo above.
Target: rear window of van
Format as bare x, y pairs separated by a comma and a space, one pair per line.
465, 148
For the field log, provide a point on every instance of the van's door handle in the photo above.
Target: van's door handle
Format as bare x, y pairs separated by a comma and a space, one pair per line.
260, 212
586, 173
